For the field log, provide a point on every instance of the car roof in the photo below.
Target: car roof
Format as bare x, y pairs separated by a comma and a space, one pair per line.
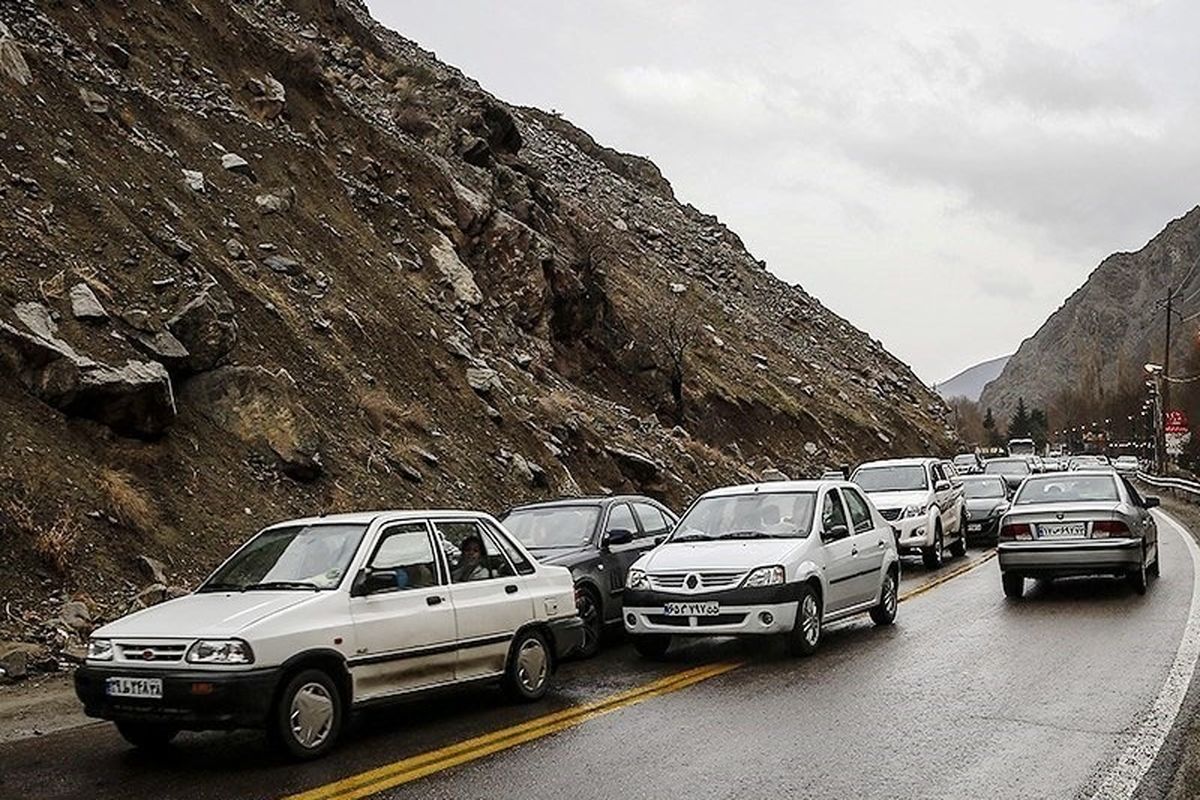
777, 487
367, 517
901, 462
981, 476
586, 500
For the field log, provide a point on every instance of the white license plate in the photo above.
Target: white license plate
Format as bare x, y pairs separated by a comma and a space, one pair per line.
974, 526
134, 687
1066, 530
691, 609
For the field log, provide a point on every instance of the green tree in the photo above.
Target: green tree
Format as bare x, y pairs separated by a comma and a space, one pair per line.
991, 435
1018, 426
1038, 427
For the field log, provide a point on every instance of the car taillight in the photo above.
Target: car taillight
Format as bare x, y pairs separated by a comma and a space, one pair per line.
1017, 530
1109, 527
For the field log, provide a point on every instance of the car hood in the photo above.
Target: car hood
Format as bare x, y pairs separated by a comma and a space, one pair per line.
898, 499
744, 554
982, 505
562, 556
210, 614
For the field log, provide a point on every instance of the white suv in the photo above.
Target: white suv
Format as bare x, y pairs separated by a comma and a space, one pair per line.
780, 558
314, 617
924, 501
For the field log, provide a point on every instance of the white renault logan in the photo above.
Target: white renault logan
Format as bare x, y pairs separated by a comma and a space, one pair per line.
314, 617
780, 558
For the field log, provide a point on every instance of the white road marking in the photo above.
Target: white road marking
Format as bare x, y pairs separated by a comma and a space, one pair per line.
1121, 778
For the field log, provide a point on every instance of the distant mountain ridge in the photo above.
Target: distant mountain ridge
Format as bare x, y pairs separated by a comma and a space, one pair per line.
970, 382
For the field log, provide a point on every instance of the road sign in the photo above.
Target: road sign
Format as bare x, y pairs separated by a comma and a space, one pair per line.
1175, 422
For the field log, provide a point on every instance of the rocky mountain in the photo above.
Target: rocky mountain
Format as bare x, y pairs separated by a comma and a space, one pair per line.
1093, 348
265, 258
970, 382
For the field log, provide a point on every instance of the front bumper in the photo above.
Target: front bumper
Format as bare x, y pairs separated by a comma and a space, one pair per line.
567, 635
912, 533
192, 699
756, 611
983, 529
1066, 558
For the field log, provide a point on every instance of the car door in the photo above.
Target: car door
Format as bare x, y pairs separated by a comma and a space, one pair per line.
404, 627
841, 562
618, 557
943, 495
1147, 523
491, 600
654, 523
870, 543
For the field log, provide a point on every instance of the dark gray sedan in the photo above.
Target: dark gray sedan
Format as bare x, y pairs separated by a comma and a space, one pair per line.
987, 500
1078, 523
597, 538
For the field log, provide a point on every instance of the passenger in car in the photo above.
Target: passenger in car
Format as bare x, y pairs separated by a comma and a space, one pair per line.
470, 562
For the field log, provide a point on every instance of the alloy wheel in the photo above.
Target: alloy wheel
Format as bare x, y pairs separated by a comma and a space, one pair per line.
810, 620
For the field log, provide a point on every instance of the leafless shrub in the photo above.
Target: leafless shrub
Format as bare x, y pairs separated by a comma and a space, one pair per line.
126, 502
56, 544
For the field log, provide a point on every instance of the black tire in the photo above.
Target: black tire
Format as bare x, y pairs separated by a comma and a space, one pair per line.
934, 557
1137, 578
1153, 570
885, 612
651, 645
959, 548
592, 615
147, 735
308, 716
1014, 585
530, 662
806, 635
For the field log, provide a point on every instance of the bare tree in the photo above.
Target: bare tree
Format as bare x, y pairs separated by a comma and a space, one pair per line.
677, 336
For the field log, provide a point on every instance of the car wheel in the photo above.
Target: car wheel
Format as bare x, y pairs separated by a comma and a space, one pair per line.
1153, 570
528, 674
651, 645
935, 556
1014, 585
1137, 578
593, 622
308, 717
885, 612
959, 548
806, 634
147, 735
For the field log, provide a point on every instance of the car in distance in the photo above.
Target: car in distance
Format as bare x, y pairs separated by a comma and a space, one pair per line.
1127, 466
313, 618
922, 502
768, 559
1087, 522
968, 463
1021, 447
987, 499
597, 538
1013, 469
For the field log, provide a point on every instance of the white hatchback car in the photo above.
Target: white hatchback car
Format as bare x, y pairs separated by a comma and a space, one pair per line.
780, 558
315, 617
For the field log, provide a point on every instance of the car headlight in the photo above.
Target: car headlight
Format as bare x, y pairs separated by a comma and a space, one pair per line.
637, 580
764, 576
100, 650
914, 511
220, 651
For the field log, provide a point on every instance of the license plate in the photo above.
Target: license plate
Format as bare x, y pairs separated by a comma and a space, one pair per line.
975, 526
691, 609
150, 688
1066, 530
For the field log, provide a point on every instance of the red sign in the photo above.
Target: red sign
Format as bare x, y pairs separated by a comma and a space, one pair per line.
1175, 422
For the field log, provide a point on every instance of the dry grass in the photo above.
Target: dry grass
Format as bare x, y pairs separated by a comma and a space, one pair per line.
126, 501
383, 413
56, 545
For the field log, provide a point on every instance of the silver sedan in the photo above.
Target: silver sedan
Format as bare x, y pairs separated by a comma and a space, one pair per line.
1077, 523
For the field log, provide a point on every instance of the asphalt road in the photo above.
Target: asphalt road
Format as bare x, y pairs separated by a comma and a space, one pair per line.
969, 695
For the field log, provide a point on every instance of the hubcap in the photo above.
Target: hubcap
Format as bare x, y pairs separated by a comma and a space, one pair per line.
312, 715
810, 619
531, 665
591, 620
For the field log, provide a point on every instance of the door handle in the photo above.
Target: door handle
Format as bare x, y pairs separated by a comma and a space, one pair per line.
511, 588
433, 600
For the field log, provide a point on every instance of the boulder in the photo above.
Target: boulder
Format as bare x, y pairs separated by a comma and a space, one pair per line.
163, 347
283, 265
483, 379
274, 202
15, 659
268, 97
76, 616
94, 102
207, 327
153, 569
262, 410
772, 474
85, 305
12, 63
237, 165
458, 274
194, 180
638, 467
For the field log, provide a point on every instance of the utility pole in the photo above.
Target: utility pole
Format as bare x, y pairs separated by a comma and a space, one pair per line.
1166, 370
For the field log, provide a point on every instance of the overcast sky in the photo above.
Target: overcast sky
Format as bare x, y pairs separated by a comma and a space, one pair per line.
909, 163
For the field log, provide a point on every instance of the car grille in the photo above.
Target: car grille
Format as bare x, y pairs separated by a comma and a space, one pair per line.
677, 581
890, 514
701, 622
151, 651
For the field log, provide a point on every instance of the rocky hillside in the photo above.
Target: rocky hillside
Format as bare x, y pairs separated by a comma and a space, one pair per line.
262, 259
1094, 346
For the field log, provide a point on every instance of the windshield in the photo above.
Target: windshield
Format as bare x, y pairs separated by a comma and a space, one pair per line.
553, 526
1007, 466
976, 490
1020, 447
763, 515
964, 460
291, 557
1127, 460
908, 478
1067, 489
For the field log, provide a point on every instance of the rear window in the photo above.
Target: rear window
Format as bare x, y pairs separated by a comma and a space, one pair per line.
993, 487
1068, 489
1008, 466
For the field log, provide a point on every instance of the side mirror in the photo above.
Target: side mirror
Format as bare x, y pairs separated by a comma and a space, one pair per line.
368, 581
835, 532
618, 536
942, 486
1151, 502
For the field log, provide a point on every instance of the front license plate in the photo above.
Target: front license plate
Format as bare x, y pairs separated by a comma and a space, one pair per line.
150, 688
692, 609
975, 526
1065, 530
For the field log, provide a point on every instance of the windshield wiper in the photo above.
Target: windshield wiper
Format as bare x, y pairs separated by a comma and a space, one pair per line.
746, 535
691, 537
282, 585
221, 587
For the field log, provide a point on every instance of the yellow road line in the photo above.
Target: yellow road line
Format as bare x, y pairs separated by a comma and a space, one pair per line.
410, 769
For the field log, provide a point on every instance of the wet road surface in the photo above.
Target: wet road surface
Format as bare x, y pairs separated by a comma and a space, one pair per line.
968, 695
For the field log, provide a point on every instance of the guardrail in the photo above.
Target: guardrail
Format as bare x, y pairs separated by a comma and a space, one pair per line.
1189, 488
